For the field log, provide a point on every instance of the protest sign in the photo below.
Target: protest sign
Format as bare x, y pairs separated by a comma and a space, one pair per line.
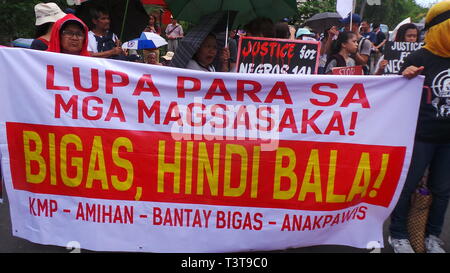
121, 156
396, 52
277, 56
349, 70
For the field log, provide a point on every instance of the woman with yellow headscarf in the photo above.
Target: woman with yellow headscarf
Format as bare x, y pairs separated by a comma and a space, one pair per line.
432, 141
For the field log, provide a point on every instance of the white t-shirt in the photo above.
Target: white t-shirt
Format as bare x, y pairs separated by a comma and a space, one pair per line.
177, 30
195, 66
92, 42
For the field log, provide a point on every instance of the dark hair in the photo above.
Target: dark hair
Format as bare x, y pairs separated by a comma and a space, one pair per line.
96, 12
375, 25
342, 38
211, 34
261, 26
401, 32
156, 24
282, 30
41, 30
154, 18
69, 23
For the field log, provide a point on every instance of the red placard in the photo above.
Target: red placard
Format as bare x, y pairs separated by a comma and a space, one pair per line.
263, 55
152, 166
349, 70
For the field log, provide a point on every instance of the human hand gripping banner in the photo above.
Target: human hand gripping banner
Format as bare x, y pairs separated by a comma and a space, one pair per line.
122, 156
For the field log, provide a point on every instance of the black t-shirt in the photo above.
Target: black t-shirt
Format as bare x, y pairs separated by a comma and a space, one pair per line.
380, 38
434, 115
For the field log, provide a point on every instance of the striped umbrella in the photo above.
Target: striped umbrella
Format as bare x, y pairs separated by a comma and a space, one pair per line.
22, 42
148, 40
194, 38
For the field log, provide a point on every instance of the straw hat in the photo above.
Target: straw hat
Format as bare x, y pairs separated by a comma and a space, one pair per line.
168, 56
47, 13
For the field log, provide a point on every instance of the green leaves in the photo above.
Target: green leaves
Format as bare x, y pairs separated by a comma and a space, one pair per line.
393, 12
17, 18
311, 7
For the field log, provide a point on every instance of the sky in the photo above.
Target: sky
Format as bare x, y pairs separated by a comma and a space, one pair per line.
426, 3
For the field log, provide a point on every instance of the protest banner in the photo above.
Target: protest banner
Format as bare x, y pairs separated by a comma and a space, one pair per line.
349, 70
121, 156
395, 53
277, 56
1, 185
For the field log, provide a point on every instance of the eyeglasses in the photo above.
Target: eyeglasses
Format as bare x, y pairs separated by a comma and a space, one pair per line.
70, 34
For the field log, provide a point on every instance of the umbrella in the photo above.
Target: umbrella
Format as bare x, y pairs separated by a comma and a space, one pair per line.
193, 39
145, 2
321, 21
243, 10
22, 42
128, 17
193, 10
148, 40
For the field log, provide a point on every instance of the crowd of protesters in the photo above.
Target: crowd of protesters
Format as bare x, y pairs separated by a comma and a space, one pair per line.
355, 42
337, 42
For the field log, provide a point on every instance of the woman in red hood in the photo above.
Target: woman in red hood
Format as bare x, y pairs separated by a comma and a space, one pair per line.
70, 36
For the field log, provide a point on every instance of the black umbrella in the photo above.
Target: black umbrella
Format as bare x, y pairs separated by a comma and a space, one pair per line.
321, 21
128, 17
215, 23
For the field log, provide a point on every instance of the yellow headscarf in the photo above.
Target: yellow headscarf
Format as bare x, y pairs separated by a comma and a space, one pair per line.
437, 39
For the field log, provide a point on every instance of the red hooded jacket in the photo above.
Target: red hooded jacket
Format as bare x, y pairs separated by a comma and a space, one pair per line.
55, 42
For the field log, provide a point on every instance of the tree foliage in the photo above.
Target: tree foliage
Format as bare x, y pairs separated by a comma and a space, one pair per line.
17, 18
311, 7
390, 12
393, 12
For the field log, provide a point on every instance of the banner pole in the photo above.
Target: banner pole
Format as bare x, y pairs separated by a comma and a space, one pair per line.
123, 22
351, 14
226, 32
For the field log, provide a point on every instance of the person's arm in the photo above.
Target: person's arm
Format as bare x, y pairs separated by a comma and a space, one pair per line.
412, 71
382, 36
224, 59
117, 50
232, 46
362, 58
328, 43
381, 66
326, 46
168, 32
330, 66
106, 54
381, 44
181, 32
412, 66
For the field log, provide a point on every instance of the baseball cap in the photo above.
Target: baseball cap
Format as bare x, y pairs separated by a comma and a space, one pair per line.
303, 31
355, 19
47, 13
